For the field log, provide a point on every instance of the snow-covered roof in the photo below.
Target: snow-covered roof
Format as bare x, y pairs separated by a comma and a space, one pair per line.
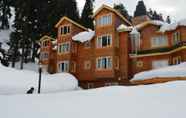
172, 26
153, 22
112, 10
84, 36
123, 27
170, 71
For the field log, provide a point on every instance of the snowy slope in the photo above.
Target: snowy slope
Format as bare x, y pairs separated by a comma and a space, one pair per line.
14, 81
170, 71
156, 101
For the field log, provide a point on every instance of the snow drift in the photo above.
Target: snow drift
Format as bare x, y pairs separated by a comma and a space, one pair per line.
14, 81
170, 71
156, 101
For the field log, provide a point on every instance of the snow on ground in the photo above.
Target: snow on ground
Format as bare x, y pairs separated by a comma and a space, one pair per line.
14, 81
155, 101
27, 66
170, 71
84, 36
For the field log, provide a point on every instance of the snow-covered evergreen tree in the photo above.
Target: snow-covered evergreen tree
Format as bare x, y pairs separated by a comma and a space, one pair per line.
121, 8
86, 16
140, 9
5, 13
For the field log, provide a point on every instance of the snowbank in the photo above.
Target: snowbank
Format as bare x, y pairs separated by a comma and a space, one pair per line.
157, 101
172, 26
84, 36
14, 81
171, 71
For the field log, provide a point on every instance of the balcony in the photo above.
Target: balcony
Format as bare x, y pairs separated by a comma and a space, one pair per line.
161, 50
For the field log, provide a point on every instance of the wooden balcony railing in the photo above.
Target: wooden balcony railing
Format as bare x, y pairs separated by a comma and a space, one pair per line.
159, 50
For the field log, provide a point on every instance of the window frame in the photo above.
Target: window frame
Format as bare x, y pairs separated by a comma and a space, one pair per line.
61, 46
62, 30
176, 37
66, 63
176, 60
45, 43
160, 43
100, 65
99, 41
103, 21
156, 61
44, 56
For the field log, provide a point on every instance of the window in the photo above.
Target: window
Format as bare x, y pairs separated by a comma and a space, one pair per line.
104, 20
63, 66
159, 41
176, 60
44, 56
64, 47
87, 44
160, 64
104, 41
176, 38
87, 65
65, 30
104, 63
45, 43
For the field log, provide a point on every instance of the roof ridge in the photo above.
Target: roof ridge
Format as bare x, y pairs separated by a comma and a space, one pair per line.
72, 21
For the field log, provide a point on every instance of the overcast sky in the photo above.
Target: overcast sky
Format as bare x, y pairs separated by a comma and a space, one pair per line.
175, 8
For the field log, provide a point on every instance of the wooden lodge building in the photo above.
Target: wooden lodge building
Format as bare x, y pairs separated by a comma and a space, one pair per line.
116, 50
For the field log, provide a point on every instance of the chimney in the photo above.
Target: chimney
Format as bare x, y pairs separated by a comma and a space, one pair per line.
140, 19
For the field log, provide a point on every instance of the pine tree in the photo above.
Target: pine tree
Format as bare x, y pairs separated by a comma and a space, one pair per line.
140, 9
35, 19
121, 8
5, 14
71, 10
86, 16
150, 13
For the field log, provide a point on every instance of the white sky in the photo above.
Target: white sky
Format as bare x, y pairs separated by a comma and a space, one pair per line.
175, 8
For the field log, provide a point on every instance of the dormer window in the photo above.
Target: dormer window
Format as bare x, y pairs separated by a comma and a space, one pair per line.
45, 43
104, 20
65, 30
